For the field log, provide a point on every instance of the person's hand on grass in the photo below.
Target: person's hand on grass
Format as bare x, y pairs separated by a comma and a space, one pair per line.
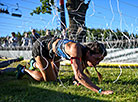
108, 92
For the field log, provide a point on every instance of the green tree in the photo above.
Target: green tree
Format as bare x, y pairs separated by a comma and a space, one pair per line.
76, 10
136, 36
119, 34
126, 33
19, 37
46, 7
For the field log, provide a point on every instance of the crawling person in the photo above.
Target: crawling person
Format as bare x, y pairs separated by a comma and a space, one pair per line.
47, 51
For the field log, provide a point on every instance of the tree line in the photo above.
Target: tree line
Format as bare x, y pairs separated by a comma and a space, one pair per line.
91, 34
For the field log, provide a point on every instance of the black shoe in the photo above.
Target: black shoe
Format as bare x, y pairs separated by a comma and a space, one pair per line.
19, 73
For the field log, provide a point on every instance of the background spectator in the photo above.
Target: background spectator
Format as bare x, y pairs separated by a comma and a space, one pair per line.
48, 33
34, 36
13, 40
26, 40
6, 42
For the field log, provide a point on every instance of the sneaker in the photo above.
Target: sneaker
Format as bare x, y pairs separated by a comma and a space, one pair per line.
19, 73
32, 61
20, 58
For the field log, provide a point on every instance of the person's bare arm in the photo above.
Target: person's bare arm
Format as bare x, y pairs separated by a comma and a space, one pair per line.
75, 51
81, 77
84, 80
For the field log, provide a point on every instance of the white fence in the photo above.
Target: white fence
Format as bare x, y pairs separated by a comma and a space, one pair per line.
117, 55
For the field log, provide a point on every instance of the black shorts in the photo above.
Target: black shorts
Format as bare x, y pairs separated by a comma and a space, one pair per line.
40, 47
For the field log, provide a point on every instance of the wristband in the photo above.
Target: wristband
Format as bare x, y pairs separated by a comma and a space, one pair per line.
100, 90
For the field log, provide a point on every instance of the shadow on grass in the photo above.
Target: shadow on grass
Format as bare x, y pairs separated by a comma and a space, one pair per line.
13, 90
70, 79
123, 82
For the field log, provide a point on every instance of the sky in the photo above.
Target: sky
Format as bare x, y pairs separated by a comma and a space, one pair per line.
104, 14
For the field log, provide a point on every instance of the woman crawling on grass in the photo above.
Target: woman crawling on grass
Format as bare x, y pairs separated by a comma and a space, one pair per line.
48, 51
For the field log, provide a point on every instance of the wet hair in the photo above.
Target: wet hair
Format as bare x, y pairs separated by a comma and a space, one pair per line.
96, 48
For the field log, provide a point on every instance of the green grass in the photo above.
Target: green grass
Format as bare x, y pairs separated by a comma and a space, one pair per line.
27, 90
